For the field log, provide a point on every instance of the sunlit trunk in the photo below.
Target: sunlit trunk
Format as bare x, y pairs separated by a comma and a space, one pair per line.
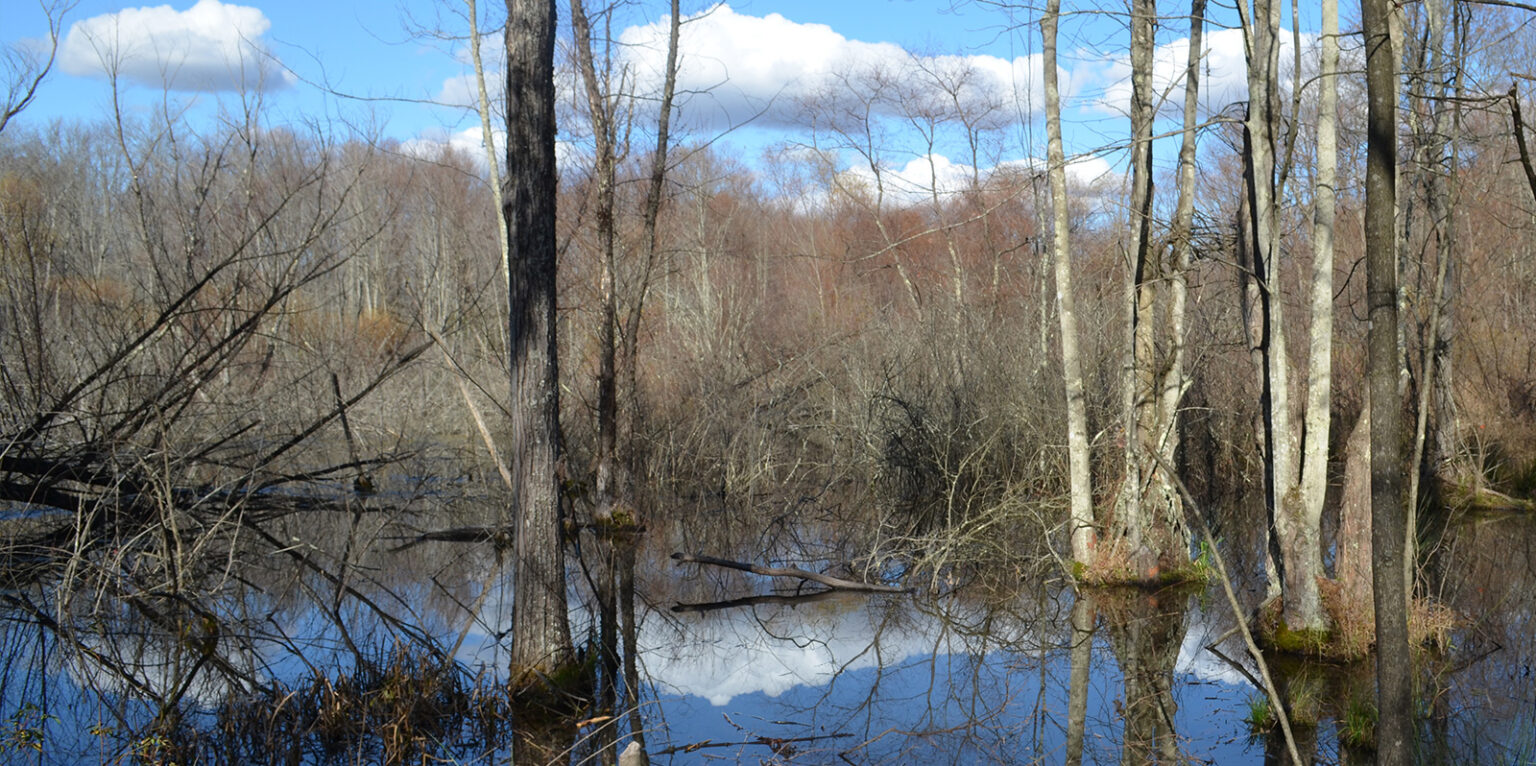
1295, 547
1080, 519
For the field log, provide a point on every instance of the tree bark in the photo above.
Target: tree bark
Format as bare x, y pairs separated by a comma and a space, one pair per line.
1295, 537
1080, 519
541, 638
601, 114
1314, 462
1173, 382
1393, 662
1132, 529
487, 136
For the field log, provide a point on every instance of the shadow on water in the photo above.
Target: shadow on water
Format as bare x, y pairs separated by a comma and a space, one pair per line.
344, 632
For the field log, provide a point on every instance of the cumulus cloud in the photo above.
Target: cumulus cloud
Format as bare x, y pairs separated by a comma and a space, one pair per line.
1223, 73
461, 89
209, 47
934, 176
432, 144
770, 70
920, 180
736, 68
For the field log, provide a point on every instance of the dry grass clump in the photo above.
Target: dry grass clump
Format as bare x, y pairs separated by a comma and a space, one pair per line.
398, 706
1353, 633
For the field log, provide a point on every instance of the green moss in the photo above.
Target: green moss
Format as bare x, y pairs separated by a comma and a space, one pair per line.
1493, 502
1309, 641
620, 520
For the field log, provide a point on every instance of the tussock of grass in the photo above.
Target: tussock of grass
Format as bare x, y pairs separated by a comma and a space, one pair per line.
1352, 634
1113, 567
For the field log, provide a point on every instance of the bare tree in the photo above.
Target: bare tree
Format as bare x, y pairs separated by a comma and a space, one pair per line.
1295, 457
541, 637
1080, 520
23, 70
1313, 486
1393, 662
603, 116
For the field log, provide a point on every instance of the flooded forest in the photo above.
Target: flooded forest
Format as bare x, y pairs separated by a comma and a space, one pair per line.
614, 443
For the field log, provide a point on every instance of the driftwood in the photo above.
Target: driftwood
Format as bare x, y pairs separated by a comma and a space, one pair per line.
836, 583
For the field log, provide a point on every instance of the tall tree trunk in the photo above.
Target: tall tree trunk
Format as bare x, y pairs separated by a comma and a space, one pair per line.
1132, 528
1081, 516
1393, 662
487, 137
1173, 383
541, 636
1299, 562
1435, 425
601, 114
649, 216
1318, 423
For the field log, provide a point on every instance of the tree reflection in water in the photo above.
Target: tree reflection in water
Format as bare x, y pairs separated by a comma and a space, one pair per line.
1146, 631
351, 647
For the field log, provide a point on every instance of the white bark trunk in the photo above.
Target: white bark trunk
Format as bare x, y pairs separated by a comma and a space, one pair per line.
1081, 515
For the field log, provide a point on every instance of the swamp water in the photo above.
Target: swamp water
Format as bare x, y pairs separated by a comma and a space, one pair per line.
328, 643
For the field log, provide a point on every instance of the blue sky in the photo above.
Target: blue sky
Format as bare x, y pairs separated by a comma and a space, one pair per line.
759, 59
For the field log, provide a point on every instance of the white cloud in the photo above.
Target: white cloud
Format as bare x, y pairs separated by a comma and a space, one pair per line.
923, 178
462, 90
1223, 73
431, 144
919, 181
208, 47
736, 67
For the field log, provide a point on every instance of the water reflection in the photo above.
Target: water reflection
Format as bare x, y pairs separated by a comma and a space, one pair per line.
332, 641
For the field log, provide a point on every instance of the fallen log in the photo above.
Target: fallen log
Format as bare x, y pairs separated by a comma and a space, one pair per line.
831, 582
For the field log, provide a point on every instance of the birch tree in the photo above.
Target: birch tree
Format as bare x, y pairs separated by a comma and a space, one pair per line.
1084, 535
1148, 515
1295, 464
